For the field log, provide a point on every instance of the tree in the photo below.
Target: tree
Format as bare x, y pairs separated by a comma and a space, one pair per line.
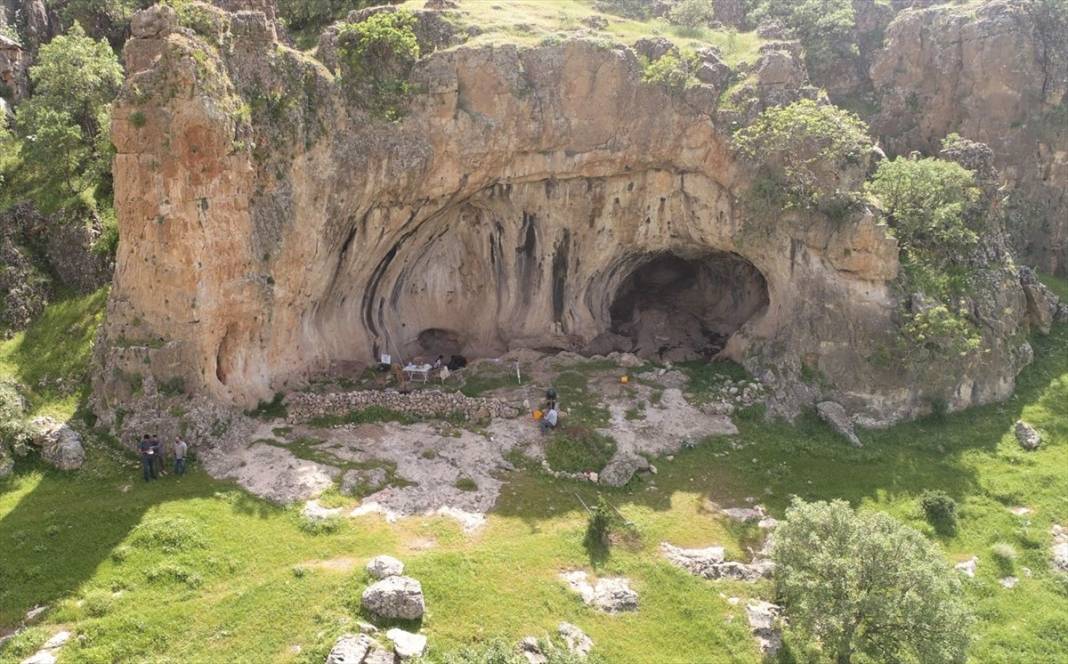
65, 124
864, 585
927, 203
824, 27
692, 14
817, 153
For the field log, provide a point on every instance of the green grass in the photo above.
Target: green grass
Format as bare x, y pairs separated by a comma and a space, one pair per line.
51, 358
122, 562
1058, 285
577, 449
530, 22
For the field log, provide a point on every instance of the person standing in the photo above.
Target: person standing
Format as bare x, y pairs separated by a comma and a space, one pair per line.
180, 448
157, 453
148, 462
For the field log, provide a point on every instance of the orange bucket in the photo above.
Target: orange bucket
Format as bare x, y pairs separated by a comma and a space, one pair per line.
624, 379
538, 415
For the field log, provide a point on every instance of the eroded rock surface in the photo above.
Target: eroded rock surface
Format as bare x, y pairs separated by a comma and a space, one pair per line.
514, 205
395, 598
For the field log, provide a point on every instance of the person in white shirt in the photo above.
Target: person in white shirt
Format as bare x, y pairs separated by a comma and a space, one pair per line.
180, 448
548, 422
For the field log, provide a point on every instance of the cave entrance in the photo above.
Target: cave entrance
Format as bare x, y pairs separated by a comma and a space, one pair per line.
435, 341
679, 308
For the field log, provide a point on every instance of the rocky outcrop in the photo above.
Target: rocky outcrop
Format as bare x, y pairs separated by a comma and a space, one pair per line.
611, 595
995, 73
60, 445
14, 81
273, 225
835, 416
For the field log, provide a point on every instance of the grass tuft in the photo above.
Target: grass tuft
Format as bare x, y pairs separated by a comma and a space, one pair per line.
576, 449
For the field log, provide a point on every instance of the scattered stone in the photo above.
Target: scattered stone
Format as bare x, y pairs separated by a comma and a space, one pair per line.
395, 598
304, 406
1027, 436
746, 514
61, 446
577, 642
612, 595
1060, 548
763, 618
406, 644
710, 563
366, 628
316, 512
968, 566
381, 567
594, 22
1020, 511
350, 649
1009, 581
379, 655
835, 416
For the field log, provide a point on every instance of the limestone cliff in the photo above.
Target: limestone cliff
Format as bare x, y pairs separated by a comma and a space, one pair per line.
543, 196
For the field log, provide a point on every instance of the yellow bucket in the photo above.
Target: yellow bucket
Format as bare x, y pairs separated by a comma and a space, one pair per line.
624, 379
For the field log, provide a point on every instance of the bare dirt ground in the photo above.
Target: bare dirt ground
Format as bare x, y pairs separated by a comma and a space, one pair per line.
440, 468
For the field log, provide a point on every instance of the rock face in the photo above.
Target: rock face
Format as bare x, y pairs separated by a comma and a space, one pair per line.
515, 203
995, 73
710, 563
395, 598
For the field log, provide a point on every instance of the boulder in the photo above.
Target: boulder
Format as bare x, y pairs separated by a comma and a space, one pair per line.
531, 650
621, 469
835, 415
61, 446
1059, 549
406, 644
710, 563
316, 512
395, 598
968, 567
156, 21
655, 48
576, 641
382, 567
1027, 436
350, 649
611, 595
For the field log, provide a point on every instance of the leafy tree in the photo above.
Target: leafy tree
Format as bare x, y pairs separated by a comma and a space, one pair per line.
312, 15
863, 586
65, 124
692, 14
106, 19
824, 27
672, 71
927, 203
377, 56
812, 151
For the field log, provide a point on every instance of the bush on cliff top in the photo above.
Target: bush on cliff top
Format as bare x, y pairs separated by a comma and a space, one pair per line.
809, 150
377, 56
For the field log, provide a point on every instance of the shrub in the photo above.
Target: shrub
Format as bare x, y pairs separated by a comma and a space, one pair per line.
671, 71
466, 484
927, 202
938, 332
377, 56
817, 153
940, 510
98, 603
1004, 555
577, 449
863, 586
599, 524
692, 14
169, 571
320, 526
168, 534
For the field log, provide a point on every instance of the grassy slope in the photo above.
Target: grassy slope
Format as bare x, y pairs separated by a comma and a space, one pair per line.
530, 21
66, 539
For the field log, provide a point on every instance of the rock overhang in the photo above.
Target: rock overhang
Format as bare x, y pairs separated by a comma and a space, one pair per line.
503, 208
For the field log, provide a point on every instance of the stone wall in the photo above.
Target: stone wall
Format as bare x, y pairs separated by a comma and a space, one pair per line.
420, 404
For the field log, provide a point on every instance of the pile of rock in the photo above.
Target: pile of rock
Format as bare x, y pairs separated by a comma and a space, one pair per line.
575, 641
763, 620
1059, 550
711, 563
304, 406
392, 597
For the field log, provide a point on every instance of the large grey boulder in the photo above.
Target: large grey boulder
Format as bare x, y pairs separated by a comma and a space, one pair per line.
395, 598
1027, 436
61, 446
621, 469
835, 415
577, 642
350, 649
382, 567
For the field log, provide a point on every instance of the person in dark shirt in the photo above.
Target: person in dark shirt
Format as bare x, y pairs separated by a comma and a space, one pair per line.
157, 453
148, 467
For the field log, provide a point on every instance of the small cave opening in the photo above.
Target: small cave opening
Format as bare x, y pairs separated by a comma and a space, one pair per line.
432, 342
676, 308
